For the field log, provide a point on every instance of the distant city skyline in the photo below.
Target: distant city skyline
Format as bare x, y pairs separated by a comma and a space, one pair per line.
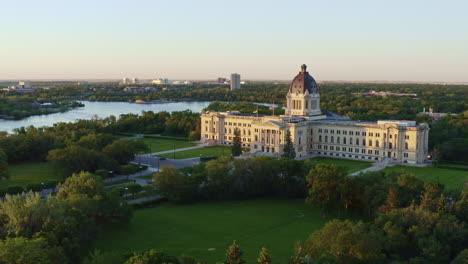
416, 41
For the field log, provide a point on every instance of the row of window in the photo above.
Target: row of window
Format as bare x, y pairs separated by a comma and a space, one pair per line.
356, 133
355, 150
344, 149
237, 124
357, 142
343, 155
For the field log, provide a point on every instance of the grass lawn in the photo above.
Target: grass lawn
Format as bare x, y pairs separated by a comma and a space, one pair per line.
28, 173
452, 179
211, 151
352, 165
193, 229
157, 144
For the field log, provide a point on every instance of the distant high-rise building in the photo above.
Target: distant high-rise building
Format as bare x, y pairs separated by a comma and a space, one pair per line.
135, 80
125, 80
221, 80
235, 81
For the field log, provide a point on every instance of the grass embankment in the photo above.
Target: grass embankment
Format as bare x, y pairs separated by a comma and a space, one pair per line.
211, 151
452, 179
352, 165
195, 228
29, 173
163, 143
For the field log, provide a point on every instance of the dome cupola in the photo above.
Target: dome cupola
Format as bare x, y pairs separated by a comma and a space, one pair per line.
303, 82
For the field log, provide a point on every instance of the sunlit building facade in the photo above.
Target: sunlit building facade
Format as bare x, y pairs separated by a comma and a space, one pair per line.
315, 131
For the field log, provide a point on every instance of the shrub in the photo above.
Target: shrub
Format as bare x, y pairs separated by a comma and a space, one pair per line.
127, 169
35, 187
103, 173
14, 189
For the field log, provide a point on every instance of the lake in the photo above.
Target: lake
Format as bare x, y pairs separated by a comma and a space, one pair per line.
102, 110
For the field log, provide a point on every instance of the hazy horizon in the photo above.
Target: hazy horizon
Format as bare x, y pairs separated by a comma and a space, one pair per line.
374, 41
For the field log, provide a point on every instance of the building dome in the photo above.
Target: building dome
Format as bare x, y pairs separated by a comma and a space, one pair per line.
303, 82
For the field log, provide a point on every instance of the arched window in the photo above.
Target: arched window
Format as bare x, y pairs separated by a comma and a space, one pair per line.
299, 140
320, 138
357, 141
406, 145
326, 139
332, 139
370, 143
338, 140
377, 143
256, 138
350, 141
344, 140
229, 131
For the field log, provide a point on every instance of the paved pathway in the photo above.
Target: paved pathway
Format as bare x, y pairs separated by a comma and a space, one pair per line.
177, 150
133, 177
376, 166
139, 200
386, 163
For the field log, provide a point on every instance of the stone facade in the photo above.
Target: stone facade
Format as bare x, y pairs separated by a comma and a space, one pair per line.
315, 131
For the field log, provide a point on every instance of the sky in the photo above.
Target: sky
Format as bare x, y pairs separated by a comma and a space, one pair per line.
373, 40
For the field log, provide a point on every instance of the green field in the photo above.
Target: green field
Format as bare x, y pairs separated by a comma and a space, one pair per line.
451, 179
211, 151
157, 144
352, 165
29, 173
193, 229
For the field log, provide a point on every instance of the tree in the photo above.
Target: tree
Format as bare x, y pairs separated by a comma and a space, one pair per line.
325, 182
236, 147
264, 257
74, 159
169, 181
123, 151
85, 193
461, 258
152, 257
133, 188
20, 250
4, 175
234, 254
288, 150
391, 203
343, 242
28, 215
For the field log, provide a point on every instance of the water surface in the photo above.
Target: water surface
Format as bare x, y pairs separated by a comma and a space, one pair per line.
100, 109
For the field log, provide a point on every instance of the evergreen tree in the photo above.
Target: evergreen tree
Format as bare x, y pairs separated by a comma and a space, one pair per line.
234, 254
236, 148
264, 257
288, 151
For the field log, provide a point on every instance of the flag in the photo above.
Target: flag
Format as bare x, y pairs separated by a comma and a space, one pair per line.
256, 111
271, 108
